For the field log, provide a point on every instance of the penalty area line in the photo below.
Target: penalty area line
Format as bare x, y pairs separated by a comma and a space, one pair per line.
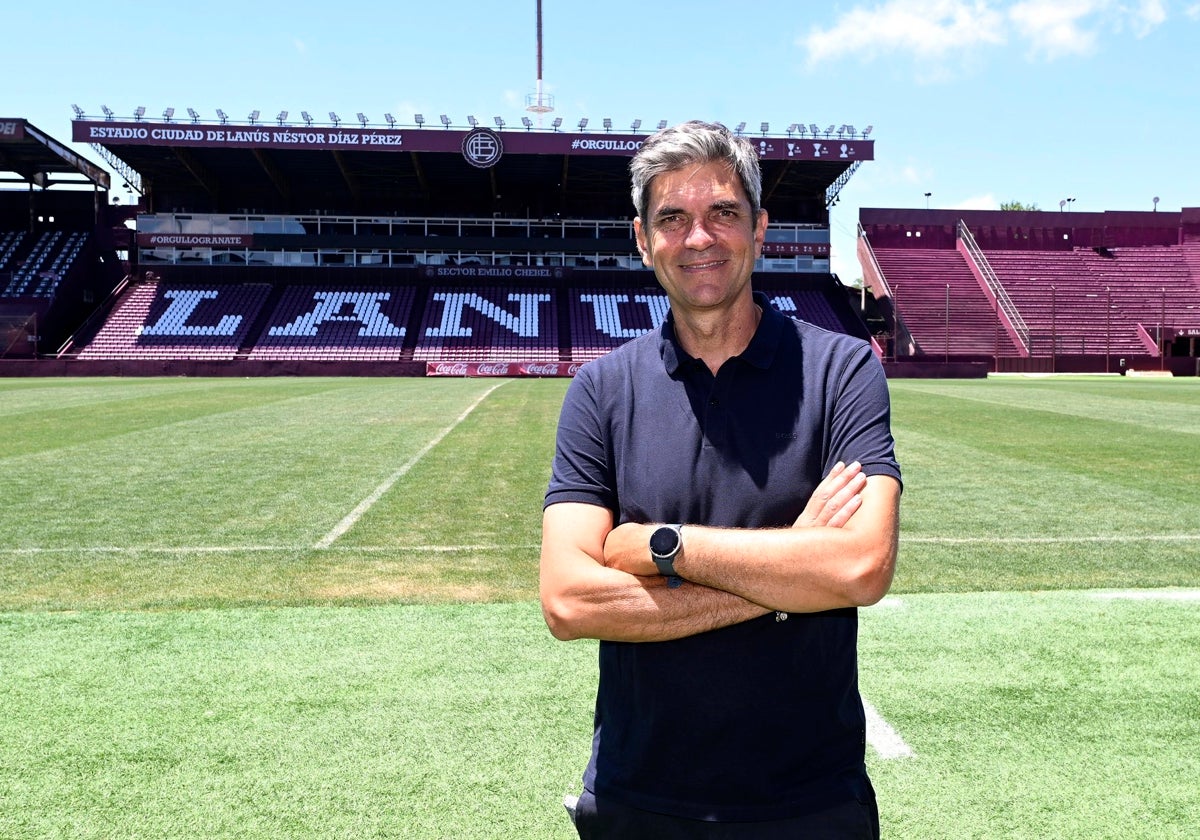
351, 519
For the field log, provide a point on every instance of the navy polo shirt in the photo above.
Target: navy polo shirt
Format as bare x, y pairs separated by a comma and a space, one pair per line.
761, 720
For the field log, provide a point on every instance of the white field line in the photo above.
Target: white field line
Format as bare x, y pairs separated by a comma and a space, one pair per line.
251, 549
882, 738
1083, 538
1149, 595
366, 504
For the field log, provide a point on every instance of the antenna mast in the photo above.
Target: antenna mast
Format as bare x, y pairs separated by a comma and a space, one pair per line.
538, 102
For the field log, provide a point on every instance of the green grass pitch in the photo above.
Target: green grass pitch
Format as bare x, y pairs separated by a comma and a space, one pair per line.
306, 608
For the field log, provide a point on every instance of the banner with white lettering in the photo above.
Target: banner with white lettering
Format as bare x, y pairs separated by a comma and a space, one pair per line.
140, 133
514, 369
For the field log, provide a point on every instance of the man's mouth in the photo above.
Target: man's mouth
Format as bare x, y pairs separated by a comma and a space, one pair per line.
701, 266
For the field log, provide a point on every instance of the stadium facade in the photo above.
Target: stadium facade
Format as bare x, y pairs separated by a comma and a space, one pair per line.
305, 246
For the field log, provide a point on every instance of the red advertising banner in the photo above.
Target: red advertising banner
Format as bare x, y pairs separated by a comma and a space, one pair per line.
483, 147
195, 240
501, 368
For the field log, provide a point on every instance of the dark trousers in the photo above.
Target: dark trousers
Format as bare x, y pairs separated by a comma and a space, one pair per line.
601, 819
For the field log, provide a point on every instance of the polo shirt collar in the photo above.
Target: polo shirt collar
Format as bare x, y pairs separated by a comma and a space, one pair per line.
760, 352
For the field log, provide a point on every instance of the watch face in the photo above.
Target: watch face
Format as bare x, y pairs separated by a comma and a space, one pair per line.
664, 541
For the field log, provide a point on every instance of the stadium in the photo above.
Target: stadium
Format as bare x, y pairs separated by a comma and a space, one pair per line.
298, 246
279, 404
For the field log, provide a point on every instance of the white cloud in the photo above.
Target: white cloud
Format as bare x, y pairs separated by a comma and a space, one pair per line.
300, 46
1193, 11
925, 28
1052, 28
933, 31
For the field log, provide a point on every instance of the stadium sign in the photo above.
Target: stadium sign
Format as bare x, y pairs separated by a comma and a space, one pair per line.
481, 147
195, 240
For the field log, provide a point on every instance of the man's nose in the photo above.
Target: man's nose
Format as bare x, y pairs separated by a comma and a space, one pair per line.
699, 237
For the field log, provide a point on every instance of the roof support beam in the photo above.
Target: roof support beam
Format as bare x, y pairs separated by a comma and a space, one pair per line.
347, 176
420, 171
280, 182
200, 173
769, 189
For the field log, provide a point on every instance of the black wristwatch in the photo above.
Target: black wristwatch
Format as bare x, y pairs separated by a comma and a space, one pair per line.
665, 544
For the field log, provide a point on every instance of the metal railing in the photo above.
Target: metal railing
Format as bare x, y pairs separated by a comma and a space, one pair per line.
1003, 301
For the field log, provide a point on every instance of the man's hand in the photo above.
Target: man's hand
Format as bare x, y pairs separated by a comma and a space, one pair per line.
836, 499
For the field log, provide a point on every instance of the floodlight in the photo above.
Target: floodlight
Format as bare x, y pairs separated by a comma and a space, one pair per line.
418, 118
852, 131
841, 130
281, 117
867, 130
222, 116
635, 125
801, 129
740, 128
471, 119
829, 130
662, 124
253, 117
335, 119
583, 123
167, 114
764, 128
791, 129
557, 123
528, 123
108, 114
192, 113
362, 119
812, 127
78, 112
139, 112
608, 124
304, 115
499, 122
445, 120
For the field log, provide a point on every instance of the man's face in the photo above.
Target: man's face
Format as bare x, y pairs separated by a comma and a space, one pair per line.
699, 235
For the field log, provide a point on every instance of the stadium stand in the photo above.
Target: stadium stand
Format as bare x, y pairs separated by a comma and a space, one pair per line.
261, 246
1039, 291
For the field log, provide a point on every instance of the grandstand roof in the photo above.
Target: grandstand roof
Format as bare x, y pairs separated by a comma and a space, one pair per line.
38, 159
397, 171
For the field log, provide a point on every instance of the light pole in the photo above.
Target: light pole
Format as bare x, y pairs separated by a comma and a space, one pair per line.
947, 323
927, 199
1162, 338
1053, 330
1107, 329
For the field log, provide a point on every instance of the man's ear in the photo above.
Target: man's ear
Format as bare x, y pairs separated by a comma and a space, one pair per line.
639, 235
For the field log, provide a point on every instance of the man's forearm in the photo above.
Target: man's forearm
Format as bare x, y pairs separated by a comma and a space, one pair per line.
621, 607
789, 569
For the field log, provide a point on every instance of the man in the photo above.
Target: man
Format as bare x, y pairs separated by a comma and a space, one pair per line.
688, 527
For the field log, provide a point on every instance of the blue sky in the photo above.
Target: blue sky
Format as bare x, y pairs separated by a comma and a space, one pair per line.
975, 101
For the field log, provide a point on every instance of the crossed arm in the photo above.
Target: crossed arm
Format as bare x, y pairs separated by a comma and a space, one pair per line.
600, 582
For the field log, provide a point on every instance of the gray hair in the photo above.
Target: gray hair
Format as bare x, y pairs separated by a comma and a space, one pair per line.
695, 142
